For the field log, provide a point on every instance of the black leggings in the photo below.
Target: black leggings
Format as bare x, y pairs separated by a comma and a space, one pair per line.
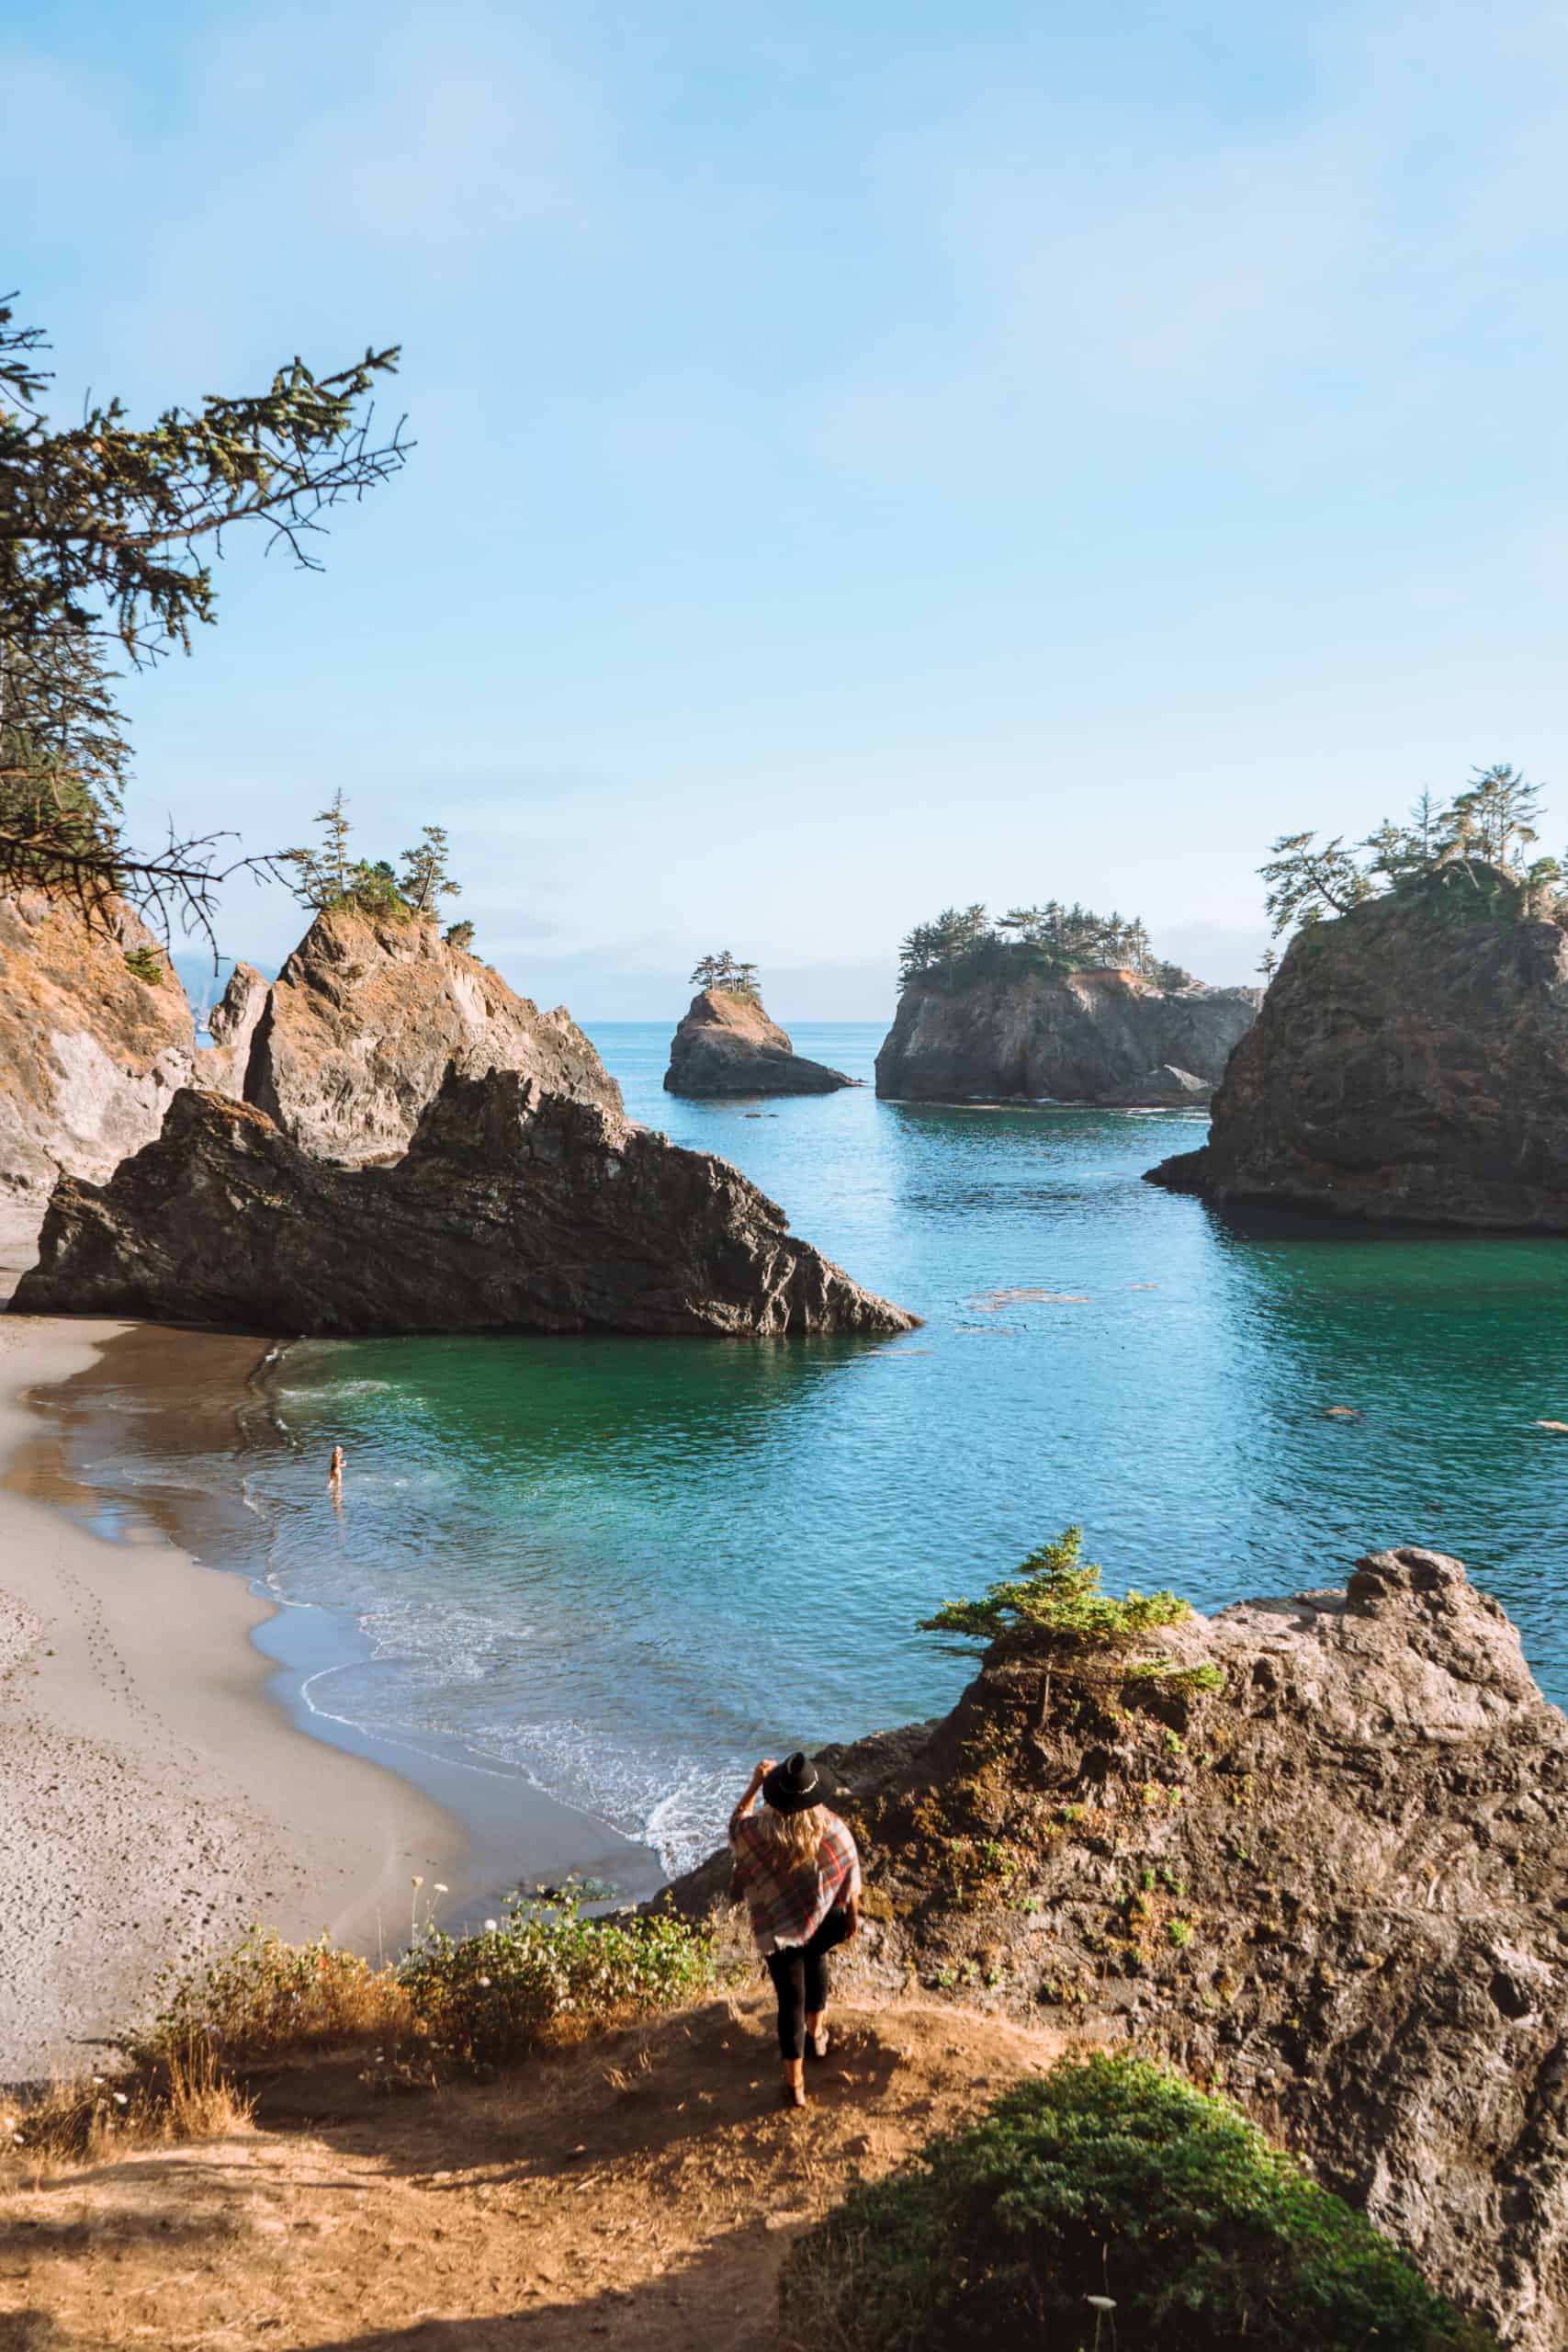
800, 1979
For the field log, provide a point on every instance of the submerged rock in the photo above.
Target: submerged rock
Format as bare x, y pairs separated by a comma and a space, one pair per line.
1410, 1063
1338, 1886
365, 1017
727, 1044
513, 1209
1165, 1089
1083, 1037
91, 1053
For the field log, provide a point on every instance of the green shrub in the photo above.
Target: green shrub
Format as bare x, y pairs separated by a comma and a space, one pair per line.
1055, 1600
543, 1966
1108, 2177
144, 964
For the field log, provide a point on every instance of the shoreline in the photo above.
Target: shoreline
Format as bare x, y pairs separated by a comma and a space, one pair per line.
160, 1793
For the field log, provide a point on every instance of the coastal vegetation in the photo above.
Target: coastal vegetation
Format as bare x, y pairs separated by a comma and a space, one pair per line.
962, 946
1054, 1602
722, 971
109, 539
544, 1972
1493, 820
1108, 2201
331, 877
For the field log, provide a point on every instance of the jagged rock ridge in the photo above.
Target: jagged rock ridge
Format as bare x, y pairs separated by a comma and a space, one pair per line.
358, 1030
513, 1209
1410, 1063
727, 1044
1084, 1038
1338, 1886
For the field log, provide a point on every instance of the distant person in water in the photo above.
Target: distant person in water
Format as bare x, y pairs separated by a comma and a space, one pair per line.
798, 1874
334, 1476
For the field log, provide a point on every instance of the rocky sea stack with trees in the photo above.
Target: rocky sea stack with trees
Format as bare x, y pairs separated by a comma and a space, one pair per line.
1411, 1059
1053, 1004
725, 1045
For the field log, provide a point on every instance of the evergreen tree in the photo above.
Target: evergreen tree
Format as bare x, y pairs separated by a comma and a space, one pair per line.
424, 879
109, 532
324, 876
459, 934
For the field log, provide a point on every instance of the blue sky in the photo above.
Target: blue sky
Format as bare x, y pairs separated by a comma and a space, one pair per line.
870, 454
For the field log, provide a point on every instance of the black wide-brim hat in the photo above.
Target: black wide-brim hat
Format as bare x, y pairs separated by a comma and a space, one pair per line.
792, 1786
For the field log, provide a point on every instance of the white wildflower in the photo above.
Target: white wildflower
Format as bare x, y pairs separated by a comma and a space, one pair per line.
1100, 2302
490, 1925
485, 1982
441, 1887
120, 2099
416, 1882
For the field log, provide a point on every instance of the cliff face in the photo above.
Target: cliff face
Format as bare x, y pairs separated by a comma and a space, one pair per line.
90, 1055
1410, 1062
727, 1044
363, 1020
1338, 1886
513, 1209
1090, 1038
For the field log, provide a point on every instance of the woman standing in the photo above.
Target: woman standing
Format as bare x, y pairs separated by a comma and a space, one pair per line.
798, 1874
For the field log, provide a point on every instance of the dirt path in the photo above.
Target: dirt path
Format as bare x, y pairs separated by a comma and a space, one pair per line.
642, 2189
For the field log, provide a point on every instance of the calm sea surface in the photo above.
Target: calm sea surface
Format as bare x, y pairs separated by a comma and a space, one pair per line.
628, 1567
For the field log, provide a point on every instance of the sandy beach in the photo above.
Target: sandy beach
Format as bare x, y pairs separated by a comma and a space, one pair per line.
155, 1800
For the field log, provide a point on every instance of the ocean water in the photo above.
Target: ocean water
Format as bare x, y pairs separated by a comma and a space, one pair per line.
625, 1567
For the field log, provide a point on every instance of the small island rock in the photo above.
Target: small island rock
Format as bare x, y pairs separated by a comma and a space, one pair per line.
727, 1044
1084, 1036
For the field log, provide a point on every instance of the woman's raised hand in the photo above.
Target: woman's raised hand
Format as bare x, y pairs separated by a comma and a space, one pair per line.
762, 1770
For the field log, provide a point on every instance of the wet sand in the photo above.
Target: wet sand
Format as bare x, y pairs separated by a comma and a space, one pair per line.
154, 1801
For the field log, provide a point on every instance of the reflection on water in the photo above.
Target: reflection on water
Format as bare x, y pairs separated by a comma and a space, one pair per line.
631, 1566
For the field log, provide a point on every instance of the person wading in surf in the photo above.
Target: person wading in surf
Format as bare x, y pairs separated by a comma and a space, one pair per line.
798, 1874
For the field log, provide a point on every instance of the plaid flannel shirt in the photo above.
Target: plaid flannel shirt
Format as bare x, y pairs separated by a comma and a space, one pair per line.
787, 1906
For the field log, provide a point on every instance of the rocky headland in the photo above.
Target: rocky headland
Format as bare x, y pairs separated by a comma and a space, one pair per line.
513, 1208
1336, 1884
1410, 1063
727, 1044
1108, 1037
92, 1051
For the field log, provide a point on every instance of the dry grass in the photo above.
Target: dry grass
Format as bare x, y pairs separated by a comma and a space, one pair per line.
180, 2094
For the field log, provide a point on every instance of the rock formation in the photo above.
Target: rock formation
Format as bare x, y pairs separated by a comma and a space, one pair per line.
363, 1020
1410, 1062
1337, 1885
727, 1044
513, 1209
1084, 1038
90, 1052
1165, 1089
231, 1024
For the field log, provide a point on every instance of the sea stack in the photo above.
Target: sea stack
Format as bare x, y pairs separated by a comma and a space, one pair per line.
513, 1209
1101, 1036
727, 1044
1410, 1063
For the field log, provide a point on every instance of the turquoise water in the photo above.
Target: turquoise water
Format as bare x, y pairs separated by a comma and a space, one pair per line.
628, 1567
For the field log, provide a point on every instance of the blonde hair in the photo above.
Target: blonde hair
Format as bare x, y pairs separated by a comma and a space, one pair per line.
796, 1837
